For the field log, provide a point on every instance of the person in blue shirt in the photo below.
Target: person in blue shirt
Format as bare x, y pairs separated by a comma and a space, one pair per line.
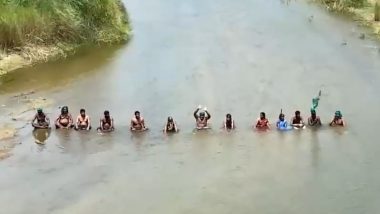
282, 124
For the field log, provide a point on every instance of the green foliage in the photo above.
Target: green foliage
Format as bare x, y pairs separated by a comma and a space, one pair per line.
377, 11
51, 21
344, 4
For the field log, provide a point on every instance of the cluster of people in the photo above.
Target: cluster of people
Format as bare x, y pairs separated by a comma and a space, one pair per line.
202, 116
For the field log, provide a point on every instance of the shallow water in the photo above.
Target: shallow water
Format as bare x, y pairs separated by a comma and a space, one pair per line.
240, 57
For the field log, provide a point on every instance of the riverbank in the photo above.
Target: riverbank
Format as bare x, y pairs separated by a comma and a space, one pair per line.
40, 31
17, 112
363, 12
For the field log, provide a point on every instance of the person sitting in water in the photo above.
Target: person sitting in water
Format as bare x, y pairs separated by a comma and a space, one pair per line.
338, 119
170, 126
297, 120
65, 120
262, 122
202, 118
138, 123
314, 120
83, 121
229, 123
282, 123
40, 120
106, 123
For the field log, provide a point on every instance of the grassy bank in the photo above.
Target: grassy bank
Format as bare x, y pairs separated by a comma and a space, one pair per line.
365, 11
33, 28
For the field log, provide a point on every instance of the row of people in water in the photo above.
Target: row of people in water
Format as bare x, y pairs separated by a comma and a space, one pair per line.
202, 117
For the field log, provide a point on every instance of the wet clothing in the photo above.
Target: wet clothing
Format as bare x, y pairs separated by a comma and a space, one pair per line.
229, 124
337, 122
262, 123
314, 121
68, 117
282, 124
170, 127
106, 121
297, 120
42, 121
202, 123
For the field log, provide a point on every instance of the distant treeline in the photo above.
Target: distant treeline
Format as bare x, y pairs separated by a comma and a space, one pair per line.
48, 22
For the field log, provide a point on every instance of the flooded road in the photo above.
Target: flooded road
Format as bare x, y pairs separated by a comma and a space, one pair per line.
240, 57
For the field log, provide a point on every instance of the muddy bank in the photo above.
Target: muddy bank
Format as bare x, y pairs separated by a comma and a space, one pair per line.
31, 55
16, 114
364, 15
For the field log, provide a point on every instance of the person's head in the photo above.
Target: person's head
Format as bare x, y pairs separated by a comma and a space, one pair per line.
170, 120
82, 112
338, 115
106, 114
64, 110
137, 114
202, 115
262, 115
298, 114
313, 113
281, 117
39, 111
228, 117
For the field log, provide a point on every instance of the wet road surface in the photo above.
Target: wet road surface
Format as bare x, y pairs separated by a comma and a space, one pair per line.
239, 57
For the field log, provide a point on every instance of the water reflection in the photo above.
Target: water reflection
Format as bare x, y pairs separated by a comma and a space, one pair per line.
41, 135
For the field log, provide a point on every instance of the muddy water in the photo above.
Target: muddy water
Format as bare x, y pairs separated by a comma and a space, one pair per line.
238, 56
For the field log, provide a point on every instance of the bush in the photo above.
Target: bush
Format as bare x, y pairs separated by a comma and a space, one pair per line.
344, 4
48, 22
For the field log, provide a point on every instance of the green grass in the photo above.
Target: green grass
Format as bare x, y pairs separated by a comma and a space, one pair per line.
342, 5
48, 22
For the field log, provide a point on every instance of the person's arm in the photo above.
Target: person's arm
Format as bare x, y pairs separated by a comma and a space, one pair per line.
176, 127
302, 122
268, 125
208, 115
257, 123
71, 121
332, 122
88, 123
34, 119
112, 126
101, 124
233, 124
292, 121
132, 125
343, 123
57, 123
142, 122
196, 113
47, 120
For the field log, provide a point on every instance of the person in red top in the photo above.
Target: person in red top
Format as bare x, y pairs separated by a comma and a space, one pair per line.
262, 122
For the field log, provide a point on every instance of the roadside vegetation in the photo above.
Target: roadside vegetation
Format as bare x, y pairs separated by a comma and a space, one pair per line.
39, 29
365, 11
46, 22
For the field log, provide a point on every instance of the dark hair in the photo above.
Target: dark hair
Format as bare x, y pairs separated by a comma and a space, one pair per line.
106, 112
170, 119
281, 115
228, 115
262, 113
82, 110
298, 112
65, 108
137, 112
